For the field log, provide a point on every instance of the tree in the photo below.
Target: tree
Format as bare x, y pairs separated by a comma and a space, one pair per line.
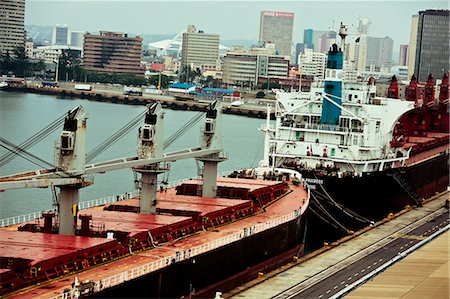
154, 80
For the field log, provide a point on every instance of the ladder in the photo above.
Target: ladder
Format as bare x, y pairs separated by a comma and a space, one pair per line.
407, 188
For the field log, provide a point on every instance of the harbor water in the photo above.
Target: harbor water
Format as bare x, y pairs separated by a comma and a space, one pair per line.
22, 115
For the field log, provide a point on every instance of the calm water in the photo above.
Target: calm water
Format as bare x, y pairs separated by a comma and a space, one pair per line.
22, 115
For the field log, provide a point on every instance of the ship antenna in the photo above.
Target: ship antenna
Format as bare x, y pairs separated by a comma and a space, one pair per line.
343, 32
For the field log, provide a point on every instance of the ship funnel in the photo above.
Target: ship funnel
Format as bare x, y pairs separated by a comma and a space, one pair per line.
333, 87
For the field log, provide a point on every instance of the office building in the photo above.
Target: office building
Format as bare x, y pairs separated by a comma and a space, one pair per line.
412, 45
245, 68
51, 54
319, 41
403, 56
379, 52
112, 52
60, 35
29, 48
12, 25
363, 25
199, 49
77, 38
308, 39
277, 27
299, 48
312, 63
432, 44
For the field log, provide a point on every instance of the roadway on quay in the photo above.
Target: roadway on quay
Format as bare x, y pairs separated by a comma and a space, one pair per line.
336, 272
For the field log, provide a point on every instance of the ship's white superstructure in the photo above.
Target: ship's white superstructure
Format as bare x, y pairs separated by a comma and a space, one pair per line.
341, 128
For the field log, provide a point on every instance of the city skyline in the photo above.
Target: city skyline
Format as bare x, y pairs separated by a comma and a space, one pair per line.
230, 19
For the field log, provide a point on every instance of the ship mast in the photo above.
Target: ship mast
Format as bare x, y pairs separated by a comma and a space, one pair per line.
343, 32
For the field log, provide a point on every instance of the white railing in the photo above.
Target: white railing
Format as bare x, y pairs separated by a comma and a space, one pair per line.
93, 203
181, 255
19, 219
82, 205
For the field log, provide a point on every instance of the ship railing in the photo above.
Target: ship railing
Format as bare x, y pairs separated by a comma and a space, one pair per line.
93, 203
19, 219
181, 255
81, 206
323, 127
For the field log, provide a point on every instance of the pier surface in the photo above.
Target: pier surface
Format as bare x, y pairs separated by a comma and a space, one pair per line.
328, 273
423, 274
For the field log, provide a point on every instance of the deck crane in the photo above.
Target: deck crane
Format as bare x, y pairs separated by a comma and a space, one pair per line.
72, 173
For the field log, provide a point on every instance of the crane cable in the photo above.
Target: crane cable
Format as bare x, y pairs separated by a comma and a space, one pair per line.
115, 137
29, 157
37, 137
186, 127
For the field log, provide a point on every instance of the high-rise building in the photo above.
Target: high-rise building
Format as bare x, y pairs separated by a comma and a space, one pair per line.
412, 45
12, 25
308, 38
77, 38
379, 52
198, 48
363, 25
60, 35
112, 52
312, 63
403, 57
246, 67
432, 44
277, 27
299, 48
319, 41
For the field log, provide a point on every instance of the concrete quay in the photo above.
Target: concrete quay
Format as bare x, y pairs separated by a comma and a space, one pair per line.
328, 272
113, 93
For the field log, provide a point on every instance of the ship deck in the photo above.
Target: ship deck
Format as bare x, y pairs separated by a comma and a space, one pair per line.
426, 147
146, 261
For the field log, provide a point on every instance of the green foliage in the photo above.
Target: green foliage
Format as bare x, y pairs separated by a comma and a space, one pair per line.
260, 94
124, 79
188, 75
154, 80
18, 64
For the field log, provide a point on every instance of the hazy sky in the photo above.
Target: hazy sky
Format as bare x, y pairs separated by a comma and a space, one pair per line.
230, 19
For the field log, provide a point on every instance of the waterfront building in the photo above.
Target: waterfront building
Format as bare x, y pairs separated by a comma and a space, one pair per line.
199, 48
50, 54
112, 52
12, 25
247, 67
312, 63
412, 45
432, 44
60, 35
403, 57
277, 27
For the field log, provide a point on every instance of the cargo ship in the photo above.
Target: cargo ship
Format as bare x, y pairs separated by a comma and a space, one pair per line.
362, 156
201, 236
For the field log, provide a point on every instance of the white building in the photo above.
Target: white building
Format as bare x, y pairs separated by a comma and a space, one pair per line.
245, 67
400, 71
51, 54
199, 48
61, 35
77, 39
312, 63
29, 48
